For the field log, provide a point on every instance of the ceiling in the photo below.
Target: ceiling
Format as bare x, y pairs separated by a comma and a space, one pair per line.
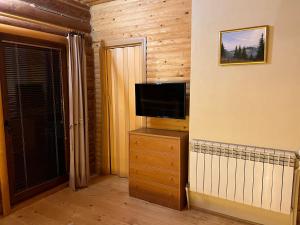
93, 2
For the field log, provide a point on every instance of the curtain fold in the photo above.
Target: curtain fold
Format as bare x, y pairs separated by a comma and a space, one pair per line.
79, 151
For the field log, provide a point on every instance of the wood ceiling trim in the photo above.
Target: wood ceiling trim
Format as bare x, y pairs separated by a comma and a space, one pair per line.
65, 7
32, 25
93, 2
76, 3
57, 15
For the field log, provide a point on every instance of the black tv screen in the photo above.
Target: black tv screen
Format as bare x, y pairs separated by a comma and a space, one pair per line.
166, 100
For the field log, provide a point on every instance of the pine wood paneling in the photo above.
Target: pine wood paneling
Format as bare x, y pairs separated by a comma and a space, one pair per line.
166, 25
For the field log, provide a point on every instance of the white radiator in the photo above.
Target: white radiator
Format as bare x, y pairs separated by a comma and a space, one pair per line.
250, 175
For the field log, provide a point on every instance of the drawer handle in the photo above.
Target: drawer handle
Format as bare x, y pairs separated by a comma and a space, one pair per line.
171, 147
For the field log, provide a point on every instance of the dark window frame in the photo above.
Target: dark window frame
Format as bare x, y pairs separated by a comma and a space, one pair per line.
29, 41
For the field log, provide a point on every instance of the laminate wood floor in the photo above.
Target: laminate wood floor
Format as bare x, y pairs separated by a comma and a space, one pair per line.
106, 202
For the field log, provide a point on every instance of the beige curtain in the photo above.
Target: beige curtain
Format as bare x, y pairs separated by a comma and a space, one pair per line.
79, 152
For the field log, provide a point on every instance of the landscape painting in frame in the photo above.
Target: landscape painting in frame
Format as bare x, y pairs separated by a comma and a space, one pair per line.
244, 46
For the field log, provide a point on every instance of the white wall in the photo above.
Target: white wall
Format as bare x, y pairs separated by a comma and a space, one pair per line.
246, 104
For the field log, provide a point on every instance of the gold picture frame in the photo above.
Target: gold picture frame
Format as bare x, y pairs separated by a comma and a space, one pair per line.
244, 46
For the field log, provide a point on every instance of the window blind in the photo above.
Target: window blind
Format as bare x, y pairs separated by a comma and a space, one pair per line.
35, 117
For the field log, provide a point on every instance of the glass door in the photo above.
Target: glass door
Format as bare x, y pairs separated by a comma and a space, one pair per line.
33, 91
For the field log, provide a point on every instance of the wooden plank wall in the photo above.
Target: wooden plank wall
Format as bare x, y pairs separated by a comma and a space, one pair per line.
167, 26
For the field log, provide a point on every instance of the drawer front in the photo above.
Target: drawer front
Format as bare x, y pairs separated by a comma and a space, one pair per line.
155, 193
156, 159
167, 146
154, 174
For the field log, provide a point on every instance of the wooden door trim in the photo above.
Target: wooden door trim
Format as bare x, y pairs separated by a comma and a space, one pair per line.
105, 164
119, 43
4, 185
4, 179
130, 42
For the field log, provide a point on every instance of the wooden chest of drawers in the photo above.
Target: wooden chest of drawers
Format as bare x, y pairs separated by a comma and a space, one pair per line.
158, 166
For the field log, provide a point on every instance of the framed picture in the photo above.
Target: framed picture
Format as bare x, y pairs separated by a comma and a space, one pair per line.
244, 46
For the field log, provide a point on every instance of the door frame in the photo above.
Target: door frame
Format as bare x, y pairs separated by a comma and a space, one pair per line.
8, 199
105, 160
130, 42
4, 183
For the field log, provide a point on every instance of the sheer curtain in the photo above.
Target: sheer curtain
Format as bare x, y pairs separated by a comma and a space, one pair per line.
79, 151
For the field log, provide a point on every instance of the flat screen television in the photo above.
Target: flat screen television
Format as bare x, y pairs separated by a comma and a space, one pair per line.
164, 100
